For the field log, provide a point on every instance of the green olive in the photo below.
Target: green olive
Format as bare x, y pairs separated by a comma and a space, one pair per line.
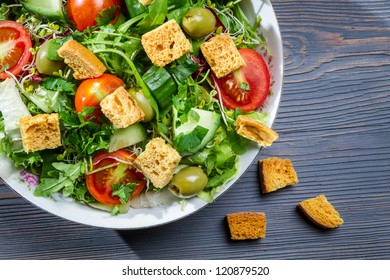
143, 103
188, 182
44, 64
198, 22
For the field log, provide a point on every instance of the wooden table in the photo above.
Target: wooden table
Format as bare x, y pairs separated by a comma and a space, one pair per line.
334, 124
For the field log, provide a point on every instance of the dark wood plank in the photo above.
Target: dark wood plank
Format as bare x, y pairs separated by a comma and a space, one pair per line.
334, 124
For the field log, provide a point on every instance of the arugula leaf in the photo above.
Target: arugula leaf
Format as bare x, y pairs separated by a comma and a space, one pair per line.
157, 12
63, 177
124, 191
179, 9
82, 138
216, 183
81, 193
135, 8
219, 161
13, 149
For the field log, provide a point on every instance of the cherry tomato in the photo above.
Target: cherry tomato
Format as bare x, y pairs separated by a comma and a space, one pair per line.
84, 12
15, 44
246, 88
100, 184
91, 91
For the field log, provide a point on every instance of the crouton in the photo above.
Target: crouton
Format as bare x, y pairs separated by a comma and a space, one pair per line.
158, 162
145, 2
166, 43
121, 109
222, 55
247, 225
321, 212
276, 173
84, 62
40, 132
255, 131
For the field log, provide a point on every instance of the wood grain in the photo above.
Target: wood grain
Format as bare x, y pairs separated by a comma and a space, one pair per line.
334, 124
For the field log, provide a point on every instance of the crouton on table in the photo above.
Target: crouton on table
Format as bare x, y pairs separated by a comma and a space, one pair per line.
276, 173
247, 225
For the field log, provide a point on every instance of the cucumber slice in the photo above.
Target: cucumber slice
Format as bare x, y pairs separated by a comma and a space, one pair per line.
125, 137
50, 9
194, 134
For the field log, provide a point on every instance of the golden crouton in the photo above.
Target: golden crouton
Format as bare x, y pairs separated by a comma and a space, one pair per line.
84, 62
255, 131
276, 173
222, 55
321, 212
121, 109
158, 162
247, 225
166, 43
40, 132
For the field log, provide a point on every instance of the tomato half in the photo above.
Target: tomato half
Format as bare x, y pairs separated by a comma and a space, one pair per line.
100, 184
91, 91
15, 44
246, 88
83, 13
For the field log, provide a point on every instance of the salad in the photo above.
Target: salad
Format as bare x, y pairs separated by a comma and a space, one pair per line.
183, 102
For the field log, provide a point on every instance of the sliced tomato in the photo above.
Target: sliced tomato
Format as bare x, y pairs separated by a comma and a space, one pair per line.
246, 88
115, 168
91, 91
15, 44
83, 13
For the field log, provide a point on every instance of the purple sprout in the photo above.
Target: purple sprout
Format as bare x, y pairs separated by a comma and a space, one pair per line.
30, 179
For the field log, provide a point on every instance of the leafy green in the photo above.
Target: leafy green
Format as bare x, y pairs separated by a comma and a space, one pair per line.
135, 8
243, 32
14, 150
2, 126
179, 11
123, 191
187, 142
58, 84
51, 95
83, 137
155, 16
63, 178
183, 69
219, 161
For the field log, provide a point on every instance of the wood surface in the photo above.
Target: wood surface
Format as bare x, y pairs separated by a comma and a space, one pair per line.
334, 125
